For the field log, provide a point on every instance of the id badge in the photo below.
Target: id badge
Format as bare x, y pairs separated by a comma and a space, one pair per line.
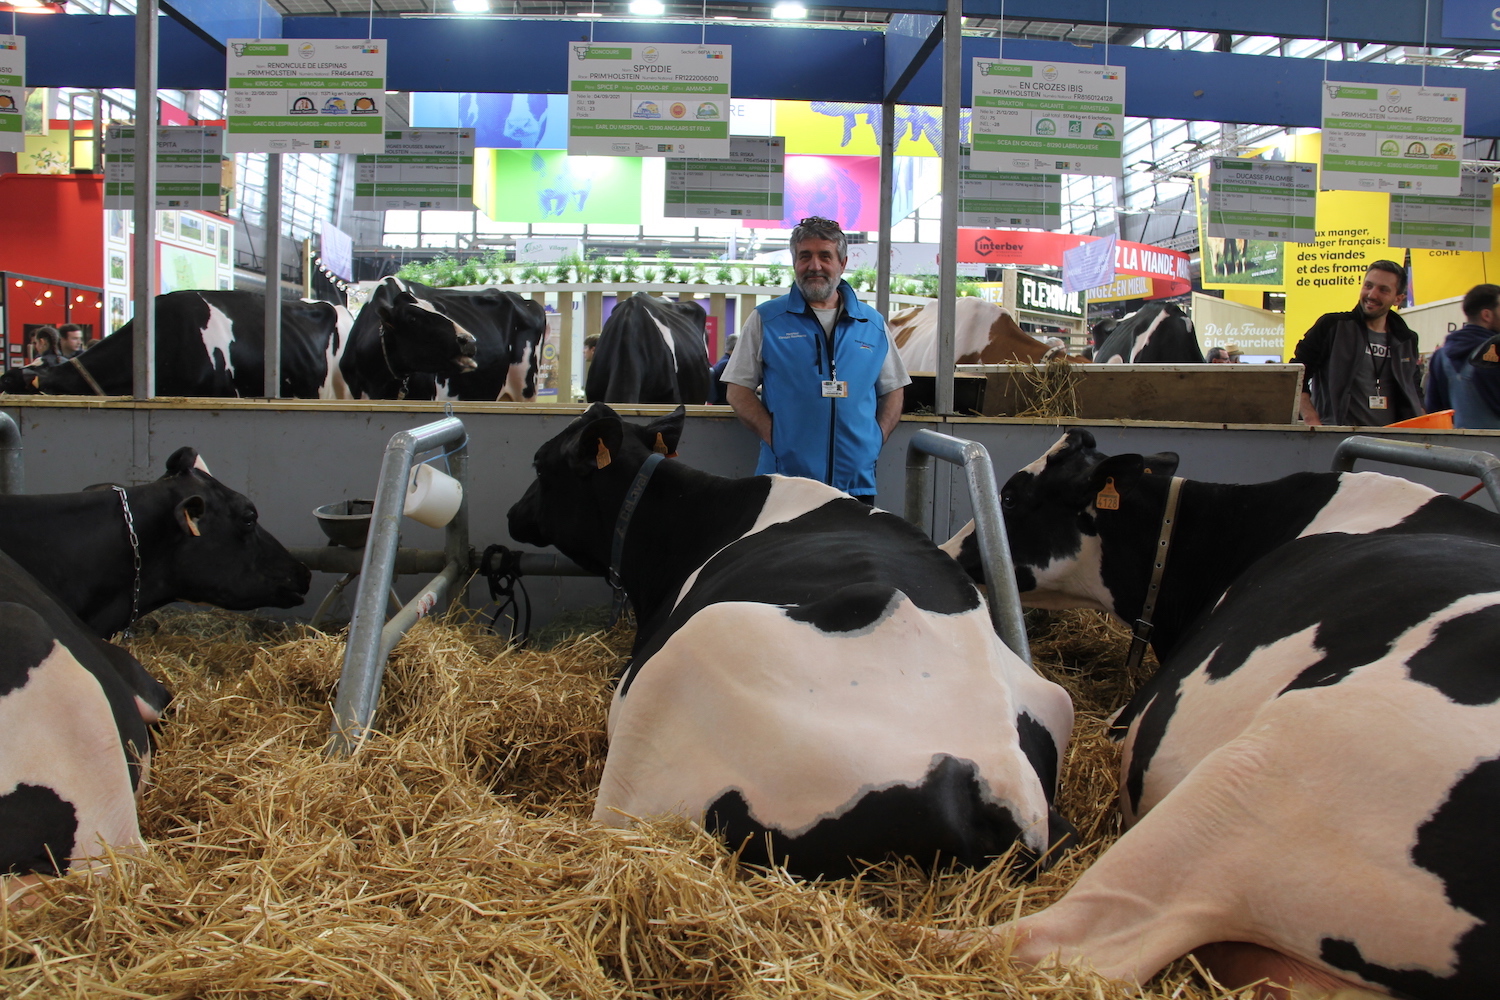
832, 389
1378, 402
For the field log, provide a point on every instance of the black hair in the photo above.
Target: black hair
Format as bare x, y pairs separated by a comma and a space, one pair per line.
1479, 298
1391, 267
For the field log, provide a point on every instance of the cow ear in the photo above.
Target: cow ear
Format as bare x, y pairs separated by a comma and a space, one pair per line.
182, 461
1113, 478
188, 512
598, 444
665, 432
1163, 463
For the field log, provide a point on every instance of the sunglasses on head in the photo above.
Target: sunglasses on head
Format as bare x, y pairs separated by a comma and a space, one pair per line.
818, 222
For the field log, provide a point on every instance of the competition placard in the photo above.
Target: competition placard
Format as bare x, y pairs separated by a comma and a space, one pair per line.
993, 199
749, 184
420, 168
310, 95
1261, 200
648, 100
12, 93
1430, 222
1408, 140
190, 168
1042, 117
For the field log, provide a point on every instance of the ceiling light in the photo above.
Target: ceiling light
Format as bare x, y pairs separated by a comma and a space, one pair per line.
24, 4
1187, 146
1142, 166
788, 11
647, 8
471, 6
588, 13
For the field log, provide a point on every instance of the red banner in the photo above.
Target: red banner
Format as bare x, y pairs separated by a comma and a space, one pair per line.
1168, 269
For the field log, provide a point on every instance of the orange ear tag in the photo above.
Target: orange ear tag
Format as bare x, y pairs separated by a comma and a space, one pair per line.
661, 445
602, 459
1108, 498
192, 525
1490, 355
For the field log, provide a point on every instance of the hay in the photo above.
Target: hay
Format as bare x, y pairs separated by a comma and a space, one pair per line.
453, 857
1049, 390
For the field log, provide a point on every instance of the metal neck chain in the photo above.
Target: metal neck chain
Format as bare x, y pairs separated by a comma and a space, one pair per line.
135, 552
390, 367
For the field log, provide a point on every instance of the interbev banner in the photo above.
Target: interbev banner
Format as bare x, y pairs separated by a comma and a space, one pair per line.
1383, 138
1016, 246
308, 95
648, 100
190, 168
750, 184
420, 168
12, 93
1040, 117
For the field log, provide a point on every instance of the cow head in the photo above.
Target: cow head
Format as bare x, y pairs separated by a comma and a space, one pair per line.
21, 381
1052, 512
417, 337
582, 477
527, 322
217, 551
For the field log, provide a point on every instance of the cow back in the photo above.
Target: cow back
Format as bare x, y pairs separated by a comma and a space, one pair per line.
650, 351
984, 333
1158, 333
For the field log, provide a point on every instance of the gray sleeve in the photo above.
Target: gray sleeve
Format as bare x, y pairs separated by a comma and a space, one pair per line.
893, 372
744, 366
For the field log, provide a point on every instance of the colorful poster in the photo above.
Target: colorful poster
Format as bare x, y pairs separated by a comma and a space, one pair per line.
518, 185
12, 93
990, 199
420, 168
306, 95
179, 268
648, 100
1040, 117
836, 128
843, 188
189, 168
1261, 199
1381, 138
1237, 262
749, 183
499, 121
1429, 222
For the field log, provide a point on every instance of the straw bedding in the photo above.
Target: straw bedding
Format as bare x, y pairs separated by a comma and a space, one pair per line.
453, 857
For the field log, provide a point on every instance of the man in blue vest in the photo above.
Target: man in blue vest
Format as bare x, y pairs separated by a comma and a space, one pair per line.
831, 381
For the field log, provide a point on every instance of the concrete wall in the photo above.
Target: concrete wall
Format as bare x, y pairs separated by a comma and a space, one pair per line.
292, 456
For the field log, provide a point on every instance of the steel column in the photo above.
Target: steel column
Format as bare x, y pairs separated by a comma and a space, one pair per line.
953, 80
143, 278
273, 276
887, 207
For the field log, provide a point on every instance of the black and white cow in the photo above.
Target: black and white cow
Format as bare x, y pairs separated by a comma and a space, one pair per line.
209, 343
651, 351
411, 341
75, 747
1311, 782
1157, 333
198, 540
806, 670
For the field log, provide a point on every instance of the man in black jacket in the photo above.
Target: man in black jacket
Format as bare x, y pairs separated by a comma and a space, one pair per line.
1360, 366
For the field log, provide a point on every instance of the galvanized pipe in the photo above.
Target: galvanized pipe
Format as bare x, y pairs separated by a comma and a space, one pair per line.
143, 269
367, 648
338, 559
953, 69
12, 472
1479, 464
989, 524
271, 348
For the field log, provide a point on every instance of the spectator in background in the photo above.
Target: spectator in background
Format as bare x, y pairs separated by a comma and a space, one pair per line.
1234, 353
1217, 356
1453, 381
70, 339
44, 347
589, 343
717, 391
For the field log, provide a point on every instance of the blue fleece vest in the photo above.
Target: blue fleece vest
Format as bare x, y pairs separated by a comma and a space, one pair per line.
835, 440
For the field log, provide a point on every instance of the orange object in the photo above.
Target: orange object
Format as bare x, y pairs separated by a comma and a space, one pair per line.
1438, 420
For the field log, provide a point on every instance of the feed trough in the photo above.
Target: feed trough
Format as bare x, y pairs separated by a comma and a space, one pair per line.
346, 522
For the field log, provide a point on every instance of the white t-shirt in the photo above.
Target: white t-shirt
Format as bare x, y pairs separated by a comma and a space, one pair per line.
745, 366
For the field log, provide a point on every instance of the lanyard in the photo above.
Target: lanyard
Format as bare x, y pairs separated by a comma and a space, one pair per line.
1378, 370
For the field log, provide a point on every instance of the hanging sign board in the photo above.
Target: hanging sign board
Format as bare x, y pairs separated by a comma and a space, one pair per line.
1407, 140
648, 100
1042, 118
12, 93
992, 199
1261, 200
190, 168
1428, 222
310, 95
748, 185
420, 168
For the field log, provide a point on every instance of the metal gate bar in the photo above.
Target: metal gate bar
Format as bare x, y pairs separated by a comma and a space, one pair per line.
1479, 464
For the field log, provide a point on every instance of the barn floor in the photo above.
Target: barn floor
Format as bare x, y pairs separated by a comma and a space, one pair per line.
453, 857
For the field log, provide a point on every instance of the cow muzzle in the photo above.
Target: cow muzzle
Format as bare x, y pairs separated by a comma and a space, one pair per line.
466, 364
468, 344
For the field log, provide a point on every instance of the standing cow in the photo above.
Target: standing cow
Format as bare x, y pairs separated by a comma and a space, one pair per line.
209, 343
651, 351
1310, 780
808, 671
1157, 333
412, 341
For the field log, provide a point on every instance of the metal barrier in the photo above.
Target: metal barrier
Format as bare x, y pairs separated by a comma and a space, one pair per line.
12, 474
371, 637
1479, 464
989, 525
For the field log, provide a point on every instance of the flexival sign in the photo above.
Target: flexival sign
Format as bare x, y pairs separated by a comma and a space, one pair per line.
12, 93
305, 95
1168, 268
648, 100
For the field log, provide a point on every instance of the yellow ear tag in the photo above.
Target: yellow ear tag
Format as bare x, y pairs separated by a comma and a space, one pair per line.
192, 525
1108, 498
1490, 355
661, 446
603, 458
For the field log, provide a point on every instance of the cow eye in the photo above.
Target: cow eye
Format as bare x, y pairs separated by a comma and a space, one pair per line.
1007, 499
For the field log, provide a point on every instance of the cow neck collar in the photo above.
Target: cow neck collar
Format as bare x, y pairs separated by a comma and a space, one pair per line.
135, 554
87, 375
1141, 634
622, 527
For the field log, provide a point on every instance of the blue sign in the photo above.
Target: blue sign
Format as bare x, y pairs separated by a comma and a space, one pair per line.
1471, 19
